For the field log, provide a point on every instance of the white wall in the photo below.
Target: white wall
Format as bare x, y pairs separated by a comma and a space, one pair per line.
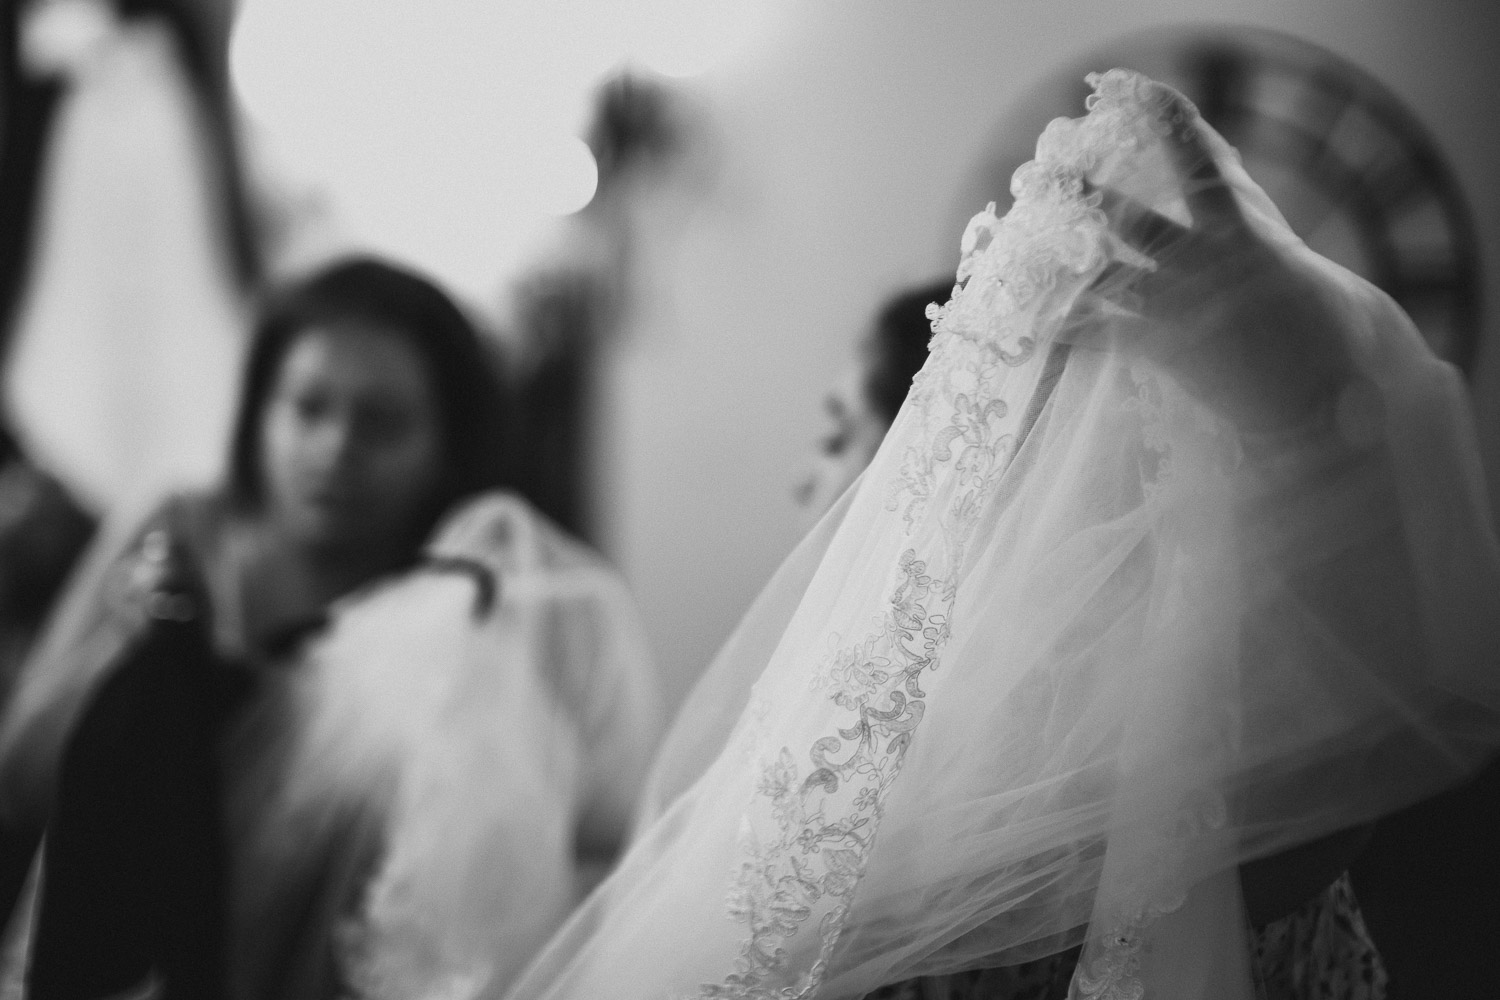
848, 137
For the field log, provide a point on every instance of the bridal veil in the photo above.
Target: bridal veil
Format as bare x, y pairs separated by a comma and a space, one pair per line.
1105, 618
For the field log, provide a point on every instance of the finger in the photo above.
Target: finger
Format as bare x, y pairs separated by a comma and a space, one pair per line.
1143, 228
1115, 277
1204, 189
1111, 295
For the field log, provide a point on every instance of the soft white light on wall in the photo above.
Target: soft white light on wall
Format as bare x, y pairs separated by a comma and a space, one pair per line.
573, 176
687, 37
446, 131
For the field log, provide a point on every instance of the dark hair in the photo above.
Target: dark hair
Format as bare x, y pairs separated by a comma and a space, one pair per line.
465, 377
896, 347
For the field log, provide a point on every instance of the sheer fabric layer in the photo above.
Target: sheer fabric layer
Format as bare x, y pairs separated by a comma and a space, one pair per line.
1090, 632
453, 740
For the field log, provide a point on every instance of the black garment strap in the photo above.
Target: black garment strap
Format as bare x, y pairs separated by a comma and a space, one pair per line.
486, 587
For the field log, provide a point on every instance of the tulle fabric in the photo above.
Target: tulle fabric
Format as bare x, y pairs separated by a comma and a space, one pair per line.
454, 736
1083, 638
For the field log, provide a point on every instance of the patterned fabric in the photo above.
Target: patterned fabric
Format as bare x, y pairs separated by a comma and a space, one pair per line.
1044, 979
1321, 951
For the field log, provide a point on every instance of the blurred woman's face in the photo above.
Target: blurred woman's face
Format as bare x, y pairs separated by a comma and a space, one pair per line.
351, 442
853, 435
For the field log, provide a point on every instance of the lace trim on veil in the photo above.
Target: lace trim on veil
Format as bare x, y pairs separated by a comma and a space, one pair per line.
807, 836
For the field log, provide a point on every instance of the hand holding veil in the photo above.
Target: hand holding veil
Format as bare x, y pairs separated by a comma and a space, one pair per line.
1175, 557
1229, 313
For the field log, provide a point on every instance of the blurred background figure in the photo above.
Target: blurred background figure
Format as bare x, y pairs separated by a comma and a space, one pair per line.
597, 281
135, 250
125, 252
420, 795
124, 290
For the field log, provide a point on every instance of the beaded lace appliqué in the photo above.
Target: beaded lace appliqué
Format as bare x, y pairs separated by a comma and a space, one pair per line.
1113, 972
820, 806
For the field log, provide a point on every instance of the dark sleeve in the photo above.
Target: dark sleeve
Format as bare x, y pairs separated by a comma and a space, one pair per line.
135, 862
86, 632
1429, 887
43, 531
